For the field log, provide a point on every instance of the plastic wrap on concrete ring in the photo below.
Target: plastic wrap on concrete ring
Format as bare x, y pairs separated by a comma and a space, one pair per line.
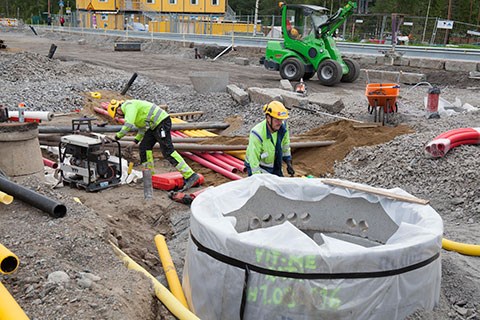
293, 248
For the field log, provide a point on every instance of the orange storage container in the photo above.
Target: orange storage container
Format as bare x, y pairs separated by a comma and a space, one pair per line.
171, 181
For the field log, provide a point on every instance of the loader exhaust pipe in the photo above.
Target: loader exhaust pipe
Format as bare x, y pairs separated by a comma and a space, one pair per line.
53, 208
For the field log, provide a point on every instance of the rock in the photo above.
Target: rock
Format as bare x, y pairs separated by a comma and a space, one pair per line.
58, 277
286, 85
84, 283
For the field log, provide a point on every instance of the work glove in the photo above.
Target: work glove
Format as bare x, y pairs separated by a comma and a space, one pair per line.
290, 170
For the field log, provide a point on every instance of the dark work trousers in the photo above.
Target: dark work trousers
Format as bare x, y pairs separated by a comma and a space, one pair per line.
151, 137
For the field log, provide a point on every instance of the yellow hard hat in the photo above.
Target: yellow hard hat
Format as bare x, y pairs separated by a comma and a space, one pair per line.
276, 109
294, 32
113, 106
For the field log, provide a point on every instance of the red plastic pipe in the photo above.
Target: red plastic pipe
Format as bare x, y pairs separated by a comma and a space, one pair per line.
439, 146
217, 161
50, 163
212, 166
240, 166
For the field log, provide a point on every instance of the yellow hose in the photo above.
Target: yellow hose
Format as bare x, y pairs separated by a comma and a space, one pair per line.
5, 198
162, 293
463, 248
8, 261
9, 308
169, 268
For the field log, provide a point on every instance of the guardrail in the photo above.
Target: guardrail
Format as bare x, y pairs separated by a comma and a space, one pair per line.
261, 42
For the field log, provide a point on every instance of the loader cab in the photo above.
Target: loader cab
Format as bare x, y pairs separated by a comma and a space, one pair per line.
301, 22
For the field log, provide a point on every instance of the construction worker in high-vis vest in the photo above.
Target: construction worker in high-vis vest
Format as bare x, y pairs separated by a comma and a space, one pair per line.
269, 143
153, 125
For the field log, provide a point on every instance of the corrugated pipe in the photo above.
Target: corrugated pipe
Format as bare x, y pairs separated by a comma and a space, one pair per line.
37, 200
446, 141
5, 198
8, 261
162, 293
169, 269
50, 163
9, 308
463, 248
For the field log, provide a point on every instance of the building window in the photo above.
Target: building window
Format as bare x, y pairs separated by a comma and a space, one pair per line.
194, 2
172, 1
214, 2
150, 1
102, 0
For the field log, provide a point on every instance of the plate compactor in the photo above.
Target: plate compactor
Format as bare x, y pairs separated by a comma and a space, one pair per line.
85, 162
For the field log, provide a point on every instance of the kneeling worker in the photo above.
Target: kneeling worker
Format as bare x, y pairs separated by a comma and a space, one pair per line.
269, 143
154, 125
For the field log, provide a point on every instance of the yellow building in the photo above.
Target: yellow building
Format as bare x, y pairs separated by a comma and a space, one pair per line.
118, 14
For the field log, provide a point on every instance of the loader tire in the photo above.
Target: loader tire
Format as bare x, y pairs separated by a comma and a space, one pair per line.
292, 69
329, 72
353, 70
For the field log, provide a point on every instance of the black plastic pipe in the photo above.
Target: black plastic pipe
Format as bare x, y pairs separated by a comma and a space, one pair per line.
53, 47
53, 208
129, 84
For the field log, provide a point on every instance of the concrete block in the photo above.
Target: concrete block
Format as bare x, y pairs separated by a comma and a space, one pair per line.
457, 65
242, 61
289, 99
367, 60
400, 61
427, 63
328, 101
128, 46
238, 94
286, 85
391, 76
82, 42
209, 81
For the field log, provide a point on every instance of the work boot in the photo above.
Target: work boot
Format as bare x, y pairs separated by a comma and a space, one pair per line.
191, 181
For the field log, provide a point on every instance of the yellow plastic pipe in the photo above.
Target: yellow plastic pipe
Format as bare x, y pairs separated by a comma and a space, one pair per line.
169, 268
9, 308
8, 261
5, 198
463, 248
162, 293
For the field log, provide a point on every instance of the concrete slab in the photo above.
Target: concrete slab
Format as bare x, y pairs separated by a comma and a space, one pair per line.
427, 63
456, 65
265, 95
328, 101
238, 94
209, 81
333, 215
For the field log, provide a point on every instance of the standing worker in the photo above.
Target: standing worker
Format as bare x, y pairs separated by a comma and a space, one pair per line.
269, 143
154, 125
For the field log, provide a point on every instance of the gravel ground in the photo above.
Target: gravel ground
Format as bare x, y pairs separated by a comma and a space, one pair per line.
77, 245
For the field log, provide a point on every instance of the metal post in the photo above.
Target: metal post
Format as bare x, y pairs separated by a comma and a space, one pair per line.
434, 33
426, 21
255, 18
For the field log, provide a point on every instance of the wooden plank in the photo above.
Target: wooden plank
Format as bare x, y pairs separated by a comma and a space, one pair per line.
377, 191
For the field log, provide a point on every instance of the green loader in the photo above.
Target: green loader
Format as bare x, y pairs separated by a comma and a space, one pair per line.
309, 47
